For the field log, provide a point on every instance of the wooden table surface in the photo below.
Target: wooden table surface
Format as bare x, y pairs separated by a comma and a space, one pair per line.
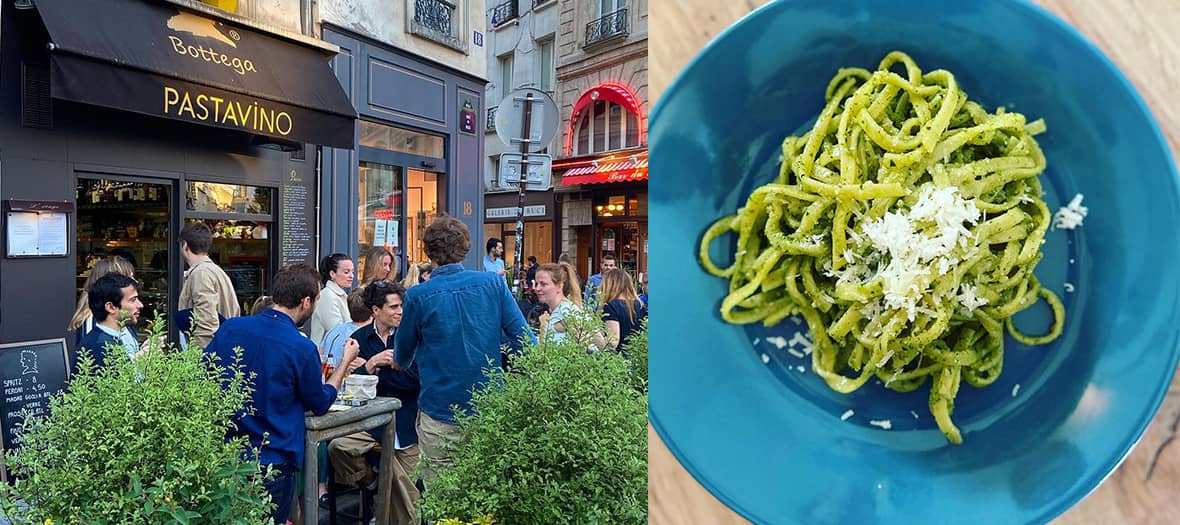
1138, 35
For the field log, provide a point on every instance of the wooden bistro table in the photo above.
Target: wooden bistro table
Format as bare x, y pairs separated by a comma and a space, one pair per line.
375, 413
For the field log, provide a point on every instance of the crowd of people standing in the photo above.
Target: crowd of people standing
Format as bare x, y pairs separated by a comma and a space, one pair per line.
427, 338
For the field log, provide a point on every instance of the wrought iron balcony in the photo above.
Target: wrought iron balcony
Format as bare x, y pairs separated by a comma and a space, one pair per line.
505, 12
491, 123
607, 27
436, 20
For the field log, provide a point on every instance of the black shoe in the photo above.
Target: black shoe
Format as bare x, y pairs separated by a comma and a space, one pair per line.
325, 501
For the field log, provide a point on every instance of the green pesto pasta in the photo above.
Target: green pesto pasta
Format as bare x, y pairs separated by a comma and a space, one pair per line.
904, 228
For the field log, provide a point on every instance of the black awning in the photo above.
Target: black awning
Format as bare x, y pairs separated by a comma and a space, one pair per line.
159, 59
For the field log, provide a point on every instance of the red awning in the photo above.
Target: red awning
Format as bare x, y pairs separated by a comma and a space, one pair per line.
624, 170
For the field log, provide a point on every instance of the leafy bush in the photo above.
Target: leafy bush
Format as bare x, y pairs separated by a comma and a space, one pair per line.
635, 348
140, 442
560, 439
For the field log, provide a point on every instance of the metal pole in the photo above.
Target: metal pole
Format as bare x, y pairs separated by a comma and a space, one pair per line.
518, 263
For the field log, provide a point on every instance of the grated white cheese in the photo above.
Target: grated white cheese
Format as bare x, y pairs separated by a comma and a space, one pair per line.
927, 240
802, 340
1071, 215
915, 414
847, 414
884, 424
968, 298
801, 369
796, 353
1068, 288
765, 359
1015, 389
756, 340
777, 341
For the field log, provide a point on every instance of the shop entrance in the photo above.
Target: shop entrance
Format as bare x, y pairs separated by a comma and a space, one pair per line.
131, 218
402, 188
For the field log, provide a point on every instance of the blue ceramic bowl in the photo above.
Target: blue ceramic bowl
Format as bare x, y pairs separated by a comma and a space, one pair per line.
767, 439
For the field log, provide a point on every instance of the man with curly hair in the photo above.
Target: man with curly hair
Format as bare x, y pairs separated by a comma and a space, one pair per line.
451, 328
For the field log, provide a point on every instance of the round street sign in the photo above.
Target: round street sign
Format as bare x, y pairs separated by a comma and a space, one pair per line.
542, 125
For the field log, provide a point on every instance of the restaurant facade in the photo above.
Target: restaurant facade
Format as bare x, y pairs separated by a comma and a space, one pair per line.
123, 120
419, 152
602, 96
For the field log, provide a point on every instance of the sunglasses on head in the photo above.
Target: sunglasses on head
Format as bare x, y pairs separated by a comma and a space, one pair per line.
382, 285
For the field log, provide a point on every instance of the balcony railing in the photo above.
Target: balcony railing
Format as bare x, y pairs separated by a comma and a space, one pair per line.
436, 20
490, 125
505, 12
607, 27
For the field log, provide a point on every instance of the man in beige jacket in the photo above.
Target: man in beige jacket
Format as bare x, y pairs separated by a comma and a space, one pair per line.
207, 290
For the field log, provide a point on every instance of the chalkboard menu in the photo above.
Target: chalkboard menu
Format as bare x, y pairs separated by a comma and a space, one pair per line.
296, 218
30, 372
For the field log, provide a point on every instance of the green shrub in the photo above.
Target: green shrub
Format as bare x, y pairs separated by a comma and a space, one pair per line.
140, 442
560, 439
635, 348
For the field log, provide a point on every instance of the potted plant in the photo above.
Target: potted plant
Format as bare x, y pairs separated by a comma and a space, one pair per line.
139, 441
559, 439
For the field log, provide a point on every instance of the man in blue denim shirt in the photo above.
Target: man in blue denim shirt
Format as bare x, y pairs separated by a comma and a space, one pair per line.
288, 377
451, 327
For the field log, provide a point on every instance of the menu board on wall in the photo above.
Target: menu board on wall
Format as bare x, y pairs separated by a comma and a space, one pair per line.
296, 220
31, 373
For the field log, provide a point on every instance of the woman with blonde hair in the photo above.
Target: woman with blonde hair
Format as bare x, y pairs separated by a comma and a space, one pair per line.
83, 321
378, 266
558, 287
418, 274
621, 307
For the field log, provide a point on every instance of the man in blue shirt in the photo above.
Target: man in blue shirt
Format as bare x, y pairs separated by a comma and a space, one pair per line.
451, 329
595, 281
494, 260
288, 380
384, 299
114, 304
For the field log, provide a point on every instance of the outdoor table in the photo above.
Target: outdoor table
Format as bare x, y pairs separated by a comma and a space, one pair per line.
376, 412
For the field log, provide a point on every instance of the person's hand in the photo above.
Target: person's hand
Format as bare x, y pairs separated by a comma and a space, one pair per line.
384, 358
147, 344
501, 271
351, 349
356, 363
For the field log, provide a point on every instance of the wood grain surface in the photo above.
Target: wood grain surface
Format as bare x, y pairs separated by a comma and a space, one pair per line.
1141, 37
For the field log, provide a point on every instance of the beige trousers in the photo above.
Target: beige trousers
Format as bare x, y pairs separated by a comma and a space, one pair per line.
438, 441
347, 455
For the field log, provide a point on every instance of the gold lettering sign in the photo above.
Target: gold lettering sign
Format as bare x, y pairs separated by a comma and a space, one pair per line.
208, 108
209, 55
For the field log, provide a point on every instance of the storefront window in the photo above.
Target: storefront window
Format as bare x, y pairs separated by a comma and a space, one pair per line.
211, 197
128, 219
538, 240
380, 136
379, 214
613, 206
242, 249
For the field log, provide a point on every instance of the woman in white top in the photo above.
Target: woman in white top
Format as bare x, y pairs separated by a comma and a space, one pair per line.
557, 286
336, 272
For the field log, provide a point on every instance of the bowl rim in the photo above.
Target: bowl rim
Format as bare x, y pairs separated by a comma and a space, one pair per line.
1068, 499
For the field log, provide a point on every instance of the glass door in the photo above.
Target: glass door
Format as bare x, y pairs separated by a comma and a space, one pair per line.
129, 218
401, 187
379, 215
423, 196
